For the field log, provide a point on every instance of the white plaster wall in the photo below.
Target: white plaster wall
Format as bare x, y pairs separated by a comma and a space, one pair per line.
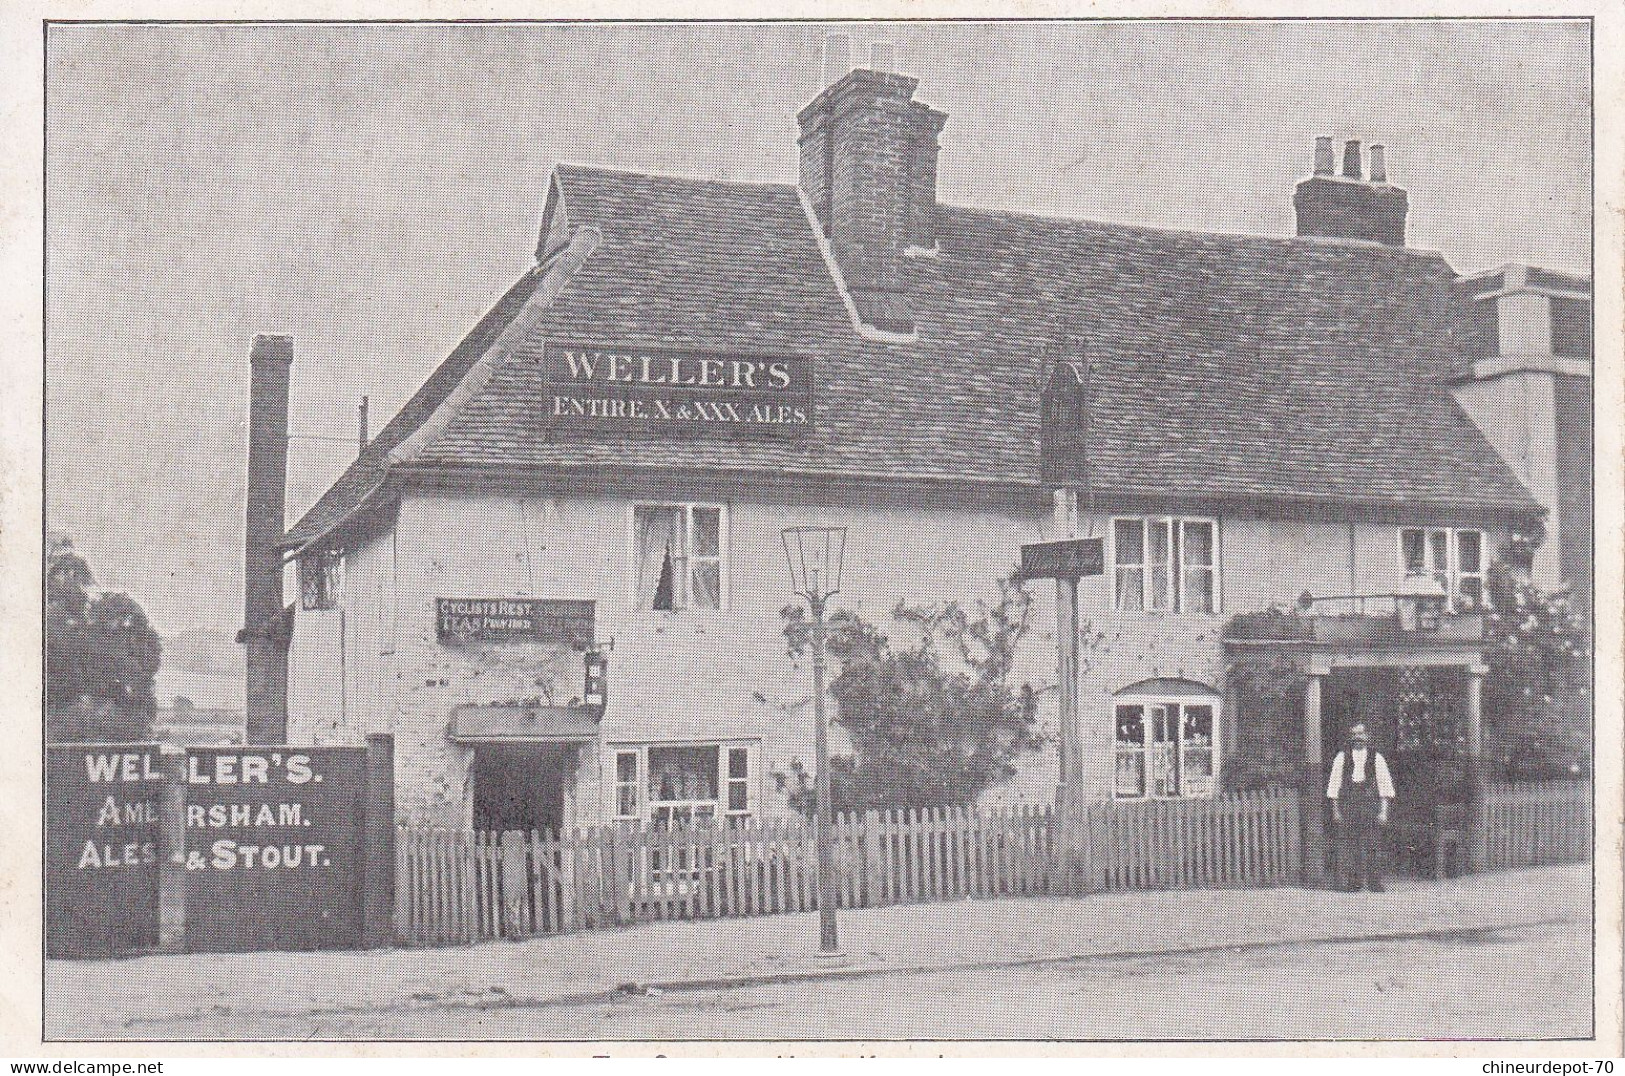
1525, 324
723, 675
687, 675
1518, 414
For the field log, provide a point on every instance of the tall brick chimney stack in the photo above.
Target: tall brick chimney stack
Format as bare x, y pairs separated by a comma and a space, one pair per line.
1350, 206
869, 168
265, 628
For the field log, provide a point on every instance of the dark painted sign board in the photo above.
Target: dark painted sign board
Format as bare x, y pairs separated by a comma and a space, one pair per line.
535, 620
613, 389
274, 855
1073, 558
101, 859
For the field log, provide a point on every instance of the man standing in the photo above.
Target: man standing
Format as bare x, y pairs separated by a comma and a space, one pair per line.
1360, 790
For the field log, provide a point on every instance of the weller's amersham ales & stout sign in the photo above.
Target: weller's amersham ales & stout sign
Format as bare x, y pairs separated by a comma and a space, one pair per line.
661, 390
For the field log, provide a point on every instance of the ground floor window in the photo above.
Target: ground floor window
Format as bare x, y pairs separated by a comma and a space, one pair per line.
680, 786
1165, 748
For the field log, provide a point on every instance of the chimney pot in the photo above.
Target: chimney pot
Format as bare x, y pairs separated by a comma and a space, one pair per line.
837, 58
1324, 163
1379, 164
1351, 159
882, 56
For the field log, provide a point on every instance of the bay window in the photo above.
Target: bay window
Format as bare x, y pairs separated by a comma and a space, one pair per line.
1453, 557
678, 556
1165, 749
1165, 563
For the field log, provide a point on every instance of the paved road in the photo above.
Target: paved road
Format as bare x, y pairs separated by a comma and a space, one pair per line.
1529, 982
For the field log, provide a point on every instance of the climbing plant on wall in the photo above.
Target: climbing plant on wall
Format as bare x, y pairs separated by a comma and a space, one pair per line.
1266, 690
1536, 702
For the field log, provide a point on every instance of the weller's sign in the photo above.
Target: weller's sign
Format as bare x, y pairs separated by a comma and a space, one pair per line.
273, 847
667, 391
101, 876
1069, 559
536, 620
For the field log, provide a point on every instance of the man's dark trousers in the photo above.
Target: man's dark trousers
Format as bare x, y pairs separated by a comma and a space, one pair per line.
1361, 831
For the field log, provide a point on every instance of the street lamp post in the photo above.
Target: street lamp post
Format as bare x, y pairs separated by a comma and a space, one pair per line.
815, 555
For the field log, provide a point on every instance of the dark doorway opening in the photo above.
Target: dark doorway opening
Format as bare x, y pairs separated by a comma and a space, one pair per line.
1416, 716
520, 786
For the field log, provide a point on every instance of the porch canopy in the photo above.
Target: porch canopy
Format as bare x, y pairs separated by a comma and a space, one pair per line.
523, 723
1370, 633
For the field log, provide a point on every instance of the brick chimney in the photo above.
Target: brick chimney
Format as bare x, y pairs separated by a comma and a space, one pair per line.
1349, 206
869, 168
265, 628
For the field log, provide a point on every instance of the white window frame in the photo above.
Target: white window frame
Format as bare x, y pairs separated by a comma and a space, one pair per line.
1174, 563
647, 807
1179, 702
1453, 571
681, 602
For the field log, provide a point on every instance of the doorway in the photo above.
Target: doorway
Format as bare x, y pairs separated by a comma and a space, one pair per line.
1416, 716
521, 786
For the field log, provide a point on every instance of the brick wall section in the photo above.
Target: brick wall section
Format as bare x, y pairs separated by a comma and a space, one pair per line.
1350, 209
266, 648
868, 165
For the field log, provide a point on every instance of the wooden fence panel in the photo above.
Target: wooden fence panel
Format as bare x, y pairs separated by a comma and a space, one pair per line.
456, 886
1537, 823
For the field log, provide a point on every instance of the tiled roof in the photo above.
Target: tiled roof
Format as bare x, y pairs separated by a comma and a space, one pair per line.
1219, 366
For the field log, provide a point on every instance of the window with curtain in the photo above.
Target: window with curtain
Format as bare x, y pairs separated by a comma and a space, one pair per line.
1453, 557
1165, 749
1165, 563
677, 786
678, 556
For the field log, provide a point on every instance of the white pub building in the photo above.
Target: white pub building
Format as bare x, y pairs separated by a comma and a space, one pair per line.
556, 575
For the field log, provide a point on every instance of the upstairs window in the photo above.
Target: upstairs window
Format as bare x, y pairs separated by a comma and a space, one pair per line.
1166, 564
1453, 557
678, 557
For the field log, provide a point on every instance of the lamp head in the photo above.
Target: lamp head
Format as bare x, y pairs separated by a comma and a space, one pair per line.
815, 556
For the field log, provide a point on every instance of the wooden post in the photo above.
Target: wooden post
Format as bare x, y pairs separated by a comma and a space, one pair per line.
172, 850
1478, 831
378, 925
1069, 793
1314, 792
515, 884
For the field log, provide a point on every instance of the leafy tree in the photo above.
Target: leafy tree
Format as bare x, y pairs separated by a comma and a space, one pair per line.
101, 656
1536, 701
933, 722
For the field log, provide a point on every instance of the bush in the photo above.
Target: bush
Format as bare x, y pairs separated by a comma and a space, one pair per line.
933, 723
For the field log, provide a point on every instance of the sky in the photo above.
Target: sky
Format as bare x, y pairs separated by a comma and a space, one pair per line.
373, 189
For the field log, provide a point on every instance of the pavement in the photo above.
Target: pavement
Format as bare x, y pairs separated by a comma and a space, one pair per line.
161, 996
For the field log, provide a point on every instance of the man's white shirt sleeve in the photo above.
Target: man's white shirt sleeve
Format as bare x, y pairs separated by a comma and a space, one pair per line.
1335, 784
1385, 784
